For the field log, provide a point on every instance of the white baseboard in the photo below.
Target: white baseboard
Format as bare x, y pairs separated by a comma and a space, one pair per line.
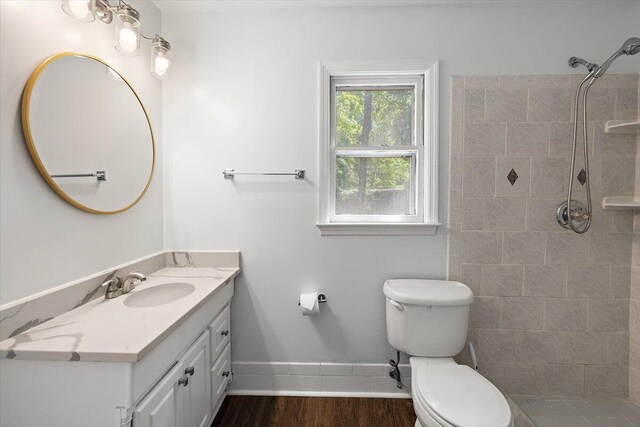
318, 394
318, 379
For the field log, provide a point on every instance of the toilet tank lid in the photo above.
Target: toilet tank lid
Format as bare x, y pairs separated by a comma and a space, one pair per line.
428, 292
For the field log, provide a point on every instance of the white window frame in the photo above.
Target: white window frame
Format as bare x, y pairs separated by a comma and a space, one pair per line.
422, 74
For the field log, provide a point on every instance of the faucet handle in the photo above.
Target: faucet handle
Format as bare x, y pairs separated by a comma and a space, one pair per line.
128, 283
114, 287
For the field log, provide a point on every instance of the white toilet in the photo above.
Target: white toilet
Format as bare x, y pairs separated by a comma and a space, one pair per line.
428, 319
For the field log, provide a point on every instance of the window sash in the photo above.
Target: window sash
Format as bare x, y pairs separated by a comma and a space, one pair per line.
389, 82
417, 177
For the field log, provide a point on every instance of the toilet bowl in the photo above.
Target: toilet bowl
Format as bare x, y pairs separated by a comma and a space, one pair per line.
428, 319
446, 394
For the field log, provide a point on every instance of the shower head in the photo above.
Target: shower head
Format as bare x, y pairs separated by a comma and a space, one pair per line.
629, 47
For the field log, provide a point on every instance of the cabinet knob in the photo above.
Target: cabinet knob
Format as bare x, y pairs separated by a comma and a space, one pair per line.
226, 373
183, 381
224, 333
190, 370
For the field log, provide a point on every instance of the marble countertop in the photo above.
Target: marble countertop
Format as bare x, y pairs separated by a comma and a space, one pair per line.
109, 330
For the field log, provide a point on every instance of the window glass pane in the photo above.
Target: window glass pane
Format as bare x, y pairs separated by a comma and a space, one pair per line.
373, 117
374, 185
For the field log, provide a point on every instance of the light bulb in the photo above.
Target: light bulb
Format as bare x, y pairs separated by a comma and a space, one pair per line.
161, 65
160, 58
79, 8
128, 39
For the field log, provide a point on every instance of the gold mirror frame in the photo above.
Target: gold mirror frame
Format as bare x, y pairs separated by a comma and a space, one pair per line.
26, 129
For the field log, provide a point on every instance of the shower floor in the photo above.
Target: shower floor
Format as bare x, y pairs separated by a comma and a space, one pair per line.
546, 411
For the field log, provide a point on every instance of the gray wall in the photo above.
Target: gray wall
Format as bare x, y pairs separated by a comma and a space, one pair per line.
244, 95
45, 241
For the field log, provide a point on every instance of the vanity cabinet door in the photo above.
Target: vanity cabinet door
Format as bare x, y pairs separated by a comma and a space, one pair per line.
195, 365
220, 376
220, 330
163, 406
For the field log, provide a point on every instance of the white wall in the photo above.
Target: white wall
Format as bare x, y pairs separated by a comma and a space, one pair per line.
244, 95
45, 241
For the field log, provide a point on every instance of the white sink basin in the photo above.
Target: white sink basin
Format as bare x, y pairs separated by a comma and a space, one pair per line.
159, 295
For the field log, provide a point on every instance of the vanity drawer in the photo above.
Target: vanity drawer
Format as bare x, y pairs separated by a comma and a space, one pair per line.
220, 332
220, 375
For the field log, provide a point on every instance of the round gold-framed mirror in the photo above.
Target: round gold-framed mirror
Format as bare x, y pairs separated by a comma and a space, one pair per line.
88, 133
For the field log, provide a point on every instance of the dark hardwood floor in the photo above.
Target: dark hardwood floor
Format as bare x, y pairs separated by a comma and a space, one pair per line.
237, 411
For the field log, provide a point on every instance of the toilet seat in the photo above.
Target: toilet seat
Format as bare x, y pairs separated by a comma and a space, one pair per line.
456, 395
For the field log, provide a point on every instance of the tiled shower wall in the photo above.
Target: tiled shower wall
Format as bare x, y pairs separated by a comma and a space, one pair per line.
634, 309
551, 314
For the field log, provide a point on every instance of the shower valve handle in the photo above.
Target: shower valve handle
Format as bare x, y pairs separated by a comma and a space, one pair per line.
580, 216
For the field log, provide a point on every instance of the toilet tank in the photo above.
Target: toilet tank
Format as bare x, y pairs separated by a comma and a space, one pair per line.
427, 318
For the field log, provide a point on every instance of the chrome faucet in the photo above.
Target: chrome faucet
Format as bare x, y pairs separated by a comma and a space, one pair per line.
128, 283
118, 286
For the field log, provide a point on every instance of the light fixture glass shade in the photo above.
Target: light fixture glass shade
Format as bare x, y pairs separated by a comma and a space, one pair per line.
160, 58
82, 10
127, 36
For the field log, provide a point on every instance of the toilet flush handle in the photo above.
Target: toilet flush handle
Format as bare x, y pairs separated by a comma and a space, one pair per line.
396, 304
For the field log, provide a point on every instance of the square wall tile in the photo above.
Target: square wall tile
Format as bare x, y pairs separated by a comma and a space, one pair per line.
522, 313
545, 280
524, 247
606, 381
550, 105
474, 105
588, 281
610, 248
562, 314
601, 104
484, 139
611, 315
504, 214
479, 177
567, 248
564, 380
482, 247
618, 176
502, 280
541, 214
472, 213
588, 348
506, 105
485, 312
548, 177
527, 139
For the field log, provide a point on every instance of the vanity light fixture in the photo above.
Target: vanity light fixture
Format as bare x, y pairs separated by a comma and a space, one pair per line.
160, 57
127, 30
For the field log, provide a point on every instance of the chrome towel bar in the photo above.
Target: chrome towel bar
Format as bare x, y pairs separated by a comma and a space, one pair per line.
99, 175
230, 173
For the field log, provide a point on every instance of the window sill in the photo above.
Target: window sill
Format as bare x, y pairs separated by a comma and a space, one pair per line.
370, 229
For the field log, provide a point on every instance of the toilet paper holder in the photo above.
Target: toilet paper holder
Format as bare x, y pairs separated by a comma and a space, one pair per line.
321, 299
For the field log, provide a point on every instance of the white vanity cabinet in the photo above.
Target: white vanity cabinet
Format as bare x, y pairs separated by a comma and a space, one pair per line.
180, 382
183, 396
221, 375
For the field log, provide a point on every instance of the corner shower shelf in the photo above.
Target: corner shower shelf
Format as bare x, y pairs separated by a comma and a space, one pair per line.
622, 126
621, 202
